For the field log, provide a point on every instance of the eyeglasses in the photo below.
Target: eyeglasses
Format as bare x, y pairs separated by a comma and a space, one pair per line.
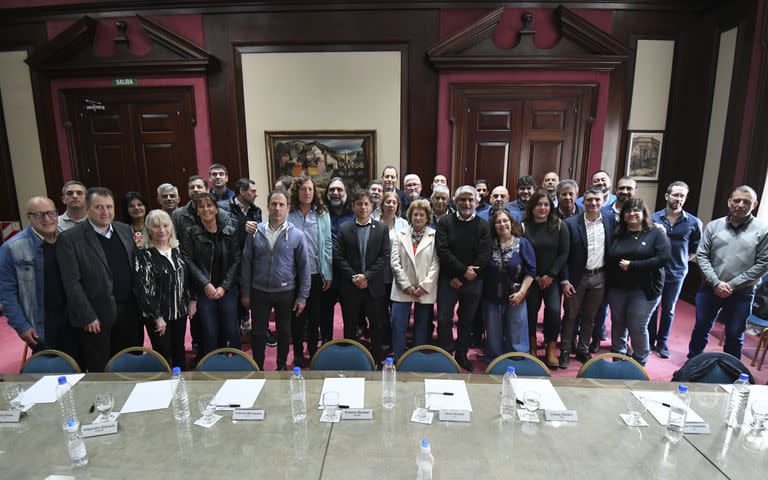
40, 215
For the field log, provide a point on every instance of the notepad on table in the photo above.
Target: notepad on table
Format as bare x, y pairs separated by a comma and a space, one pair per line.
655, 403
438, 400
351, 391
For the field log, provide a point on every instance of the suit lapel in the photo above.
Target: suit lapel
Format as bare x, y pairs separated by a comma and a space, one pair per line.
90, 237
582, 231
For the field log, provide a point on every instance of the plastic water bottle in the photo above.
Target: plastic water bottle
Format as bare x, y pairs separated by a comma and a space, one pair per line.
678, 413
424, 462
75, 444
66, 400
508, 396
388, 389
298, 396
737, 405
179, 397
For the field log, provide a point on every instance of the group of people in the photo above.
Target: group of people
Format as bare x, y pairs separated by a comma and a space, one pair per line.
88, 285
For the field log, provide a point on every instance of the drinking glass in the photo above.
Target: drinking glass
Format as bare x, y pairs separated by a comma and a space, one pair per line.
532, 400
421, 400
759, 414
12, 394
636, 409
207, 408
330, 404
103, 403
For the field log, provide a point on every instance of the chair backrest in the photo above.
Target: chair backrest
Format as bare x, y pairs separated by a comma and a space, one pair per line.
427, 359
621, 368
50, 361
137, 360
712, 367
227, 360
343, 354
526, 365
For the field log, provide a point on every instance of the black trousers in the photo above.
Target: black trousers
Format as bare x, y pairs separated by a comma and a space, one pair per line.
357, 302
94, 349
128, 330
262, 304
308, 323
171, 344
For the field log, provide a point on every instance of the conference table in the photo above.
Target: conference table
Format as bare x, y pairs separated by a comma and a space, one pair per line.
153, 445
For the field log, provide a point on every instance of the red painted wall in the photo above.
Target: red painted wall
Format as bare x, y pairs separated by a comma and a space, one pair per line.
505, 36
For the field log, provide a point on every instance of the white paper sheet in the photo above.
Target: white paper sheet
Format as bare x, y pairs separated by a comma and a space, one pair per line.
437, 401
147, 396
243, 392
351, 391
756, 392
44, 390
550, 400
654, 401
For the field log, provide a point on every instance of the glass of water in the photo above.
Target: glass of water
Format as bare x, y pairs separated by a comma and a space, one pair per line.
532, 400
330, 404
103, 403
12, 394
636, 408
421, 400
207, 408
759, 414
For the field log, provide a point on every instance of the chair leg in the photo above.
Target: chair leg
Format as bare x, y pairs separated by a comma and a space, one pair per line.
24, 356
764, 341
757, 350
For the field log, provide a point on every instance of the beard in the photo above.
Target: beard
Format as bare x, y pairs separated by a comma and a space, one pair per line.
336, 202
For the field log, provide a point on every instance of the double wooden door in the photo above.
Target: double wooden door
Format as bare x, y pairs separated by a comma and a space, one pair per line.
504, 131
131, 139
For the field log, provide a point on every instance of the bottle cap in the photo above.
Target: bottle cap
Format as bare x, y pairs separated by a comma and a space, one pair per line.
425, 443
743, 376
62, 380
71, 422
510, 369
176, 371
389, 360
296, 370
683, 388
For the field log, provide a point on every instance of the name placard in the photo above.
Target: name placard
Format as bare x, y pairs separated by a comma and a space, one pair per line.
453, 415
526, 416
10, 416
561, 416
696, 428
99, 429
248, 414
357, 414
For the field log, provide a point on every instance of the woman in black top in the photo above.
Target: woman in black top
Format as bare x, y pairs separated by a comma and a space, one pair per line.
212, 251
635, 277
551, 242
160, 288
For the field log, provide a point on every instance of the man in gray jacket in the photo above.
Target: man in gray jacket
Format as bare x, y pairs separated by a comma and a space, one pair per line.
275, 274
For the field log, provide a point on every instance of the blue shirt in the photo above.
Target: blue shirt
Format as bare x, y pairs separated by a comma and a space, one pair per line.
684, 237
309, 226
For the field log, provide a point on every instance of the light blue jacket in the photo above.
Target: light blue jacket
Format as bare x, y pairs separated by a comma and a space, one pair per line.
324, 243
21, 282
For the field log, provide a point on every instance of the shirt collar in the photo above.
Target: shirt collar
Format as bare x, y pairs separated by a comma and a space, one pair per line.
41, 238
363, 224
598, 219
462, 219
243, 206
104, 233
740, 227
280, 228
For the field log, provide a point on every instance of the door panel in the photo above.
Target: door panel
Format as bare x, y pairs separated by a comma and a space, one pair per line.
493, 142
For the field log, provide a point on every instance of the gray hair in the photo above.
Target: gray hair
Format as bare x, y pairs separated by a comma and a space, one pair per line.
568, 183
746, 189
411, 176
164, 187
465, 189
440, 189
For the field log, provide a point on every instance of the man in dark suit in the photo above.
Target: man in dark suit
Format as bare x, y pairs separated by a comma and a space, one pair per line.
360, 257
583, 277
96, 260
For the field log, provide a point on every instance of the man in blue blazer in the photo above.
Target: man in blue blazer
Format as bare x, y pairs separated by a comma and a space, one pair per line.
583, 277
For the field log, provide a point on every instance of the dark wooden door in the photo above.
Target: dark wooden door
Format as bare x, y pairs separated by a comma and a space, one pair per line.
502, 132
132, 139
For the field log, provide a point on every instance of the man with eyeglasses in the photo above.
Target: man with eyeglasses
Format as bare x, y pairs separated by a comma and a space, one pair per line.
684, 233
31, 289
73, 198
412, 184
218, 178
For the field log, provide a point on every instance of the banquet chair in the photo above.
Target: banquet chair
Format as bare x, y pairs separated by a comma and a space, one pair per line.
227, 360
712, 367
427, 359
343, 354
622, 368
137, 359
526, 365
50, 361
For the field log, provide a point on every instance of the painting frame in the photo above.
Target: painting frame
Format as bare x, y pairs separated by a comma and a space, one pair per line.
644, 155
322, 154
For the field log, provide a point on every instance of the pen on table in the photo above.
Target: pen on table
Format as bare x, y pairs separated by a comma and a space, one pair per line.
449, 394
228, 405
92, 409
343, 406
519, 402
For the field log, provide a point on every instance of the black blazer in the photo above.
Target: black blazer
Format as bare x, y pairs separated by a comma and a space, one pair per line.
86, 275
197, 251
347, 262
577, 258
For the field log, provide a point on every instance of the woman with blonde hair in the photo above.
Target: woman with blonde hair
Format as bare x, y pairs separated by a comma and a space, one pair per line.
160, 286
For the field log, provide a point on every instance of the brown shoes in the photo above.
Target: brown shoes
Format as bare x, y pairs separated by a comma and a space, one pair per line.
551, 359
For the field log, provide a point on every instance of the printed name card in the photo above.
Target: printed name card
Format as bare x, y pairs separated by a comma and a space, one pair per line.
10, 416
560, 416
357, 414
99, 429
453, 415
526, 416
248, 414
696, 428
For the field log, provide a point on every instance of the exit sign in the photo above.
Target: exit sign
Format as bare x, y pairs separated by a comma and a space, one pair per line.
124, 82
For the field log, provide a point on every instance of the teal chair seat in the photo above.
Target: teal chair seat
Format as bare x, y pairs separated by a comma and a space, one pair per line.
137, 360
227, 360
427, 359
50, 362
621, 368
343, 354
525, 365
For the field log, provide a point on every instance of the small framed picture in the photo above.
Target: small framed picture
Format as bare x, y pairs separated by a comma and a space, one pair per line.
644, 155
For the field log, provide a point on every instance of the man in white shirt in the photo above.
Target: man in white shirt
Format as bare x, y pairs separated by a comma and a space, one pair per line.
73, 197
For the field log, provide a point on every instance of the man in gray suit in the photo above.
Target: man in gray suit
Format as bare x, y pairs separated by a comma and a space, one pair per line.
96, 262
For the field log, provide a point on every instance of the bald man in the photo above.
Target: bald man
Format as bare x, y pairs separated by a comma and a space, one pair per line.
31, 289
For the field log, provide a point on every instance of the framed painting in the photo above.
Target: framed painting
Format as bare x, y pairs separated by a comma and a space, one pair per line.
322, 154
644, 155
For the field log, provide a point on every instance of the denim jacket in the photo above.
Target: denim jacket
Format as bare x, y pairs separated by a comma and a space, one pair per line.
21, 282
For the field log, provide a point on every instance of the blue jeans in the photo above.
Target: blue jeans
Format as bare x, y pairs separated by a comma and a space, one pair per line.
659, 327
630, 312
423, 315
219, 320
506, 328
733, 310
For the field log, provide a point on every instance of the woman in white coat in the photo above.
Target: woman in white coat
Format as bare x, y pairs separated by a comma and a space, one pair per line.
415, 267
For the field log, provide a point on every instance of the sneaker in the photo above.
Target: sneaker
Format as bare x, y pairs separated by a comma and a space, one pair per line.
663, 351
563, 360
271, 341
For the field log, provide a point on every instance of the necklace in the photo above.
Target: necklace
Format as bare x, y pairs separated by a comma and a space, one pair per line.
636, 236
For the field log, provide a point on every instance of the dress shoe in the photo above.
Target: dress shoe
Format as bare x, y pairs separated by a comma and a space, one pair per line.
299, 361
594, 346
551, 356
282, 368
463, 362
663, 350
270, 339
583, 357
564, 360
